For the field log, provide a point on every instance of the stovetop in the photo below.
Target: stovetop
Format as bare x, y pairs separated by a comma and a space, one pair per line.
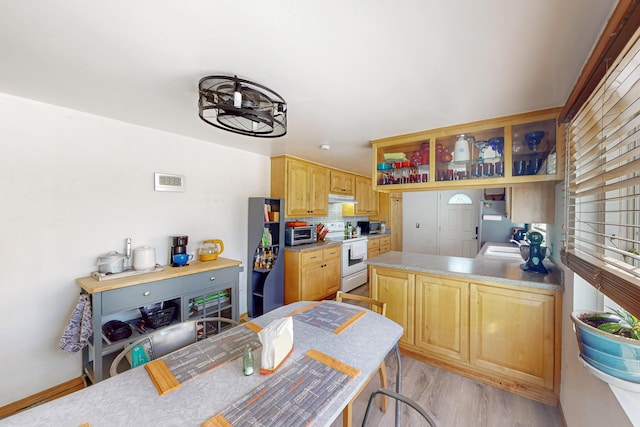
336, 233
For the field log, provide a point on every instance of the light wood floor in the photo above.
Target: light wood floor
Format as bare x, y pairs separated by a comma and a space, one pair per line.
451, 399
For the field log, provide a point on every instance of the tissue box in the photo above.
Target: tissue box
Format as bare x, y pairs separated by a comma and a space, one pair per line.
277, 344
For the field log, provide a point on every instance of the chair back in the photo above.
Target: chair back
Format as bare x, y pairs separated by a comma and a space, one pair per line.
399, 398
170, 338
374, 305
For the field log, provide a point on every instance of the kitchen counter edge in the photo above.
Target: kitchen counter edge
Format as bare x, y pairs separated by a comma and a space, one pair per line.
91, 285
313, 246
480, 268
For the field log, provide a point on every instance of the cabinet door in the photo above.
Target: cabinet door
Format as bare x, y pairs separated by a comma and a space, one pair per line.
342, 183
442, 316
332, 275
312, 285
318, 190
532, 203
512, 333
297, 187
396, 288
363, 195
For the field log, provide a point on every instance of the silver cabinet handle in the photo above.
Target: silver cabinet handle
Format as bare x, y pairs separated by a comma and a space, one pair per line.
146, 293
212, 278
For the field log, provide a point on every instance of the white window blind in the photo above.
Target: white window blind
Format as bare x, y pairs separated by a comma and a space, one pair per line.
603, 183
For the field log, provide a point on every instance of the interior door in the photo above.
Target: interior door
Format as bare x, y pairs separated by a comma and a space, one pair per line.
458, 222
420, 222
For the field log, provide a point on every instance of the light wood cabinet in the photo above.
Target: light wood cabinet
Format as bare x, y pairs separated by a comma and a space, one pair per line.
385, 244
504, 335
531, 203
442, 316
373, 247
311, 275
396, 288
378, 245
489, 153
342, 183
304, 186
395, 221
513, 333
366, 197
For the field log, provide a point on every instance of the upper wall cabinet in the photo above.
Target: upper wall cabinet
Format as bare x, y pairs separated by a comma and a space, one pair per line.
342, 183
499, 152
304, 186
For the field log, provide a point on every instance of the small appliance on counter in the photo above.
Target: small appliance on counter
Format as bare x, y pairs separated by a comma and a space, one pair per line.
178, 246
536, 254
300, 235
210, 250
370, 227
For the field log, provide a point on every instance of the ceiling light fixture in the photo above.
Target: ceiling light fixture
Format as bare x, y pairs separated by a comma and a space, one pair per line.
242, 106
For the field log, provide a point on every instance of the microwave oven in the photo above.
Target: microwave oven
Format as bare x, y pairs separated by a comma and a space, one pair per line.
300, 235
370, 227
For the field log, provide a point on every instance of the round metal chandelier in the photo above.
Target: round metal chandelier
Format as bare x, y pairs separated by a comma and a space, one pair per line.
242, 106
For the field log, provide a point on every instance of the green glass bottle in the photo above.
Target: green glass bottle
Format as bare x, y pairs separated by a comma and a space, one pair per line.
247, 361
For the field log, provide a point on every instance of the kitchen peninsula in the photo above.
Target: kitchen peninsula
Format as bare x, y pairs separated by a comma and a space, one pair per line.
481, 317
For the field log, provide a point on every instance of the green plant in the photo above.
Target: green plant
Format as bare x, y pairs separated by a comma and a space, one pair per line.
621, 323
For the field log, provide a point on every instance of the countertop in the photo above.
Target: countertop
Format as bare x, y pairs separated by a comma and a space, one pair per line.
327, 243
313, 246
92, 285
484, 268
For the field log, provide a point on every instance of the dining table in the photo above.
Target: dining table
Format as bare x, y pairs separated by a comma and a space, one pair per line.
356, 344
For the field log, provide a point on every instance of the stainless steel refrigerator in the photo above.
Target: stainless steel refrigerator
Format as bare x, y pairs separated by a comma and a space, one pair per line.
494, 224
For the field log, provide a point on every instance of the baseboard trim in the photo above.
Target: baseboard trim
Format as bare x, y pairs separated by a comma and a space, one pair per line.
43, 396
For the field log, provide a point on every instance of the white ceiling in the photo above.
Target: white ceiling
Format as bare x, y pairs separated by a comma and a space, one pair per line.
350, 70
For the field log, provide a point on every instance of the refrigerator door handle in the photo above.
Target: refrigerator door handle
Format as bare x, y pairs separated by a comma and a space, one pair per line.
476, 233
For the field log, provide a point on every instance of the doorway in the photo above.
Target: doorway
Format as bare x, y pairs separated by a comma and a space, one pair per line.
433, 225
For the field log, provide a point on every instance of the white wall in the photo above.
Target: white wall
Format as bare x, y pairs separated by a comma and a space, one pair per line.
73, 186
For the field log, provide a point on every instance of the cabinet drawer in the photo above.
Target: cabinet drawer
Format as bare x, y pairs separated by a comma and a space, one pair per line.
139, 295
310, 257
373, 244
207, 279
330, 253
386, 247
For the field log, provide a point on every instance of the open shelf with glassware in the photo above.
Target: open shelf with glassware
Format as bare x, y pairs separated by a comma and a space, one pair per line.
490, 153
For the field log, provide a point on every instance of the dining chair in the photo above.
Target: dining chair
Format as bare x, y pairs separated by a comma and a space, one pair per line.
399, 397
381, 308
168, 339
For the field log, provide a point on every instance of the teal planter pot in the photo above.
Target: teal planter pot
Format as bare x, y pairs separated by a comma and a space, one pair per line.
615, 355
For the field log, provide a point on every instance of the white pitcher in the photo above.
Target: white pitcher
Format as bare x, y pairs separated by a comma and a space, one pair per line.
461, 152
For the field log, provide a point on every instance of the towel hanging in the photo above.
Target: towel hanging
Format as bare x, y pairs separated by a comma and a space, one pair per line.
80, 327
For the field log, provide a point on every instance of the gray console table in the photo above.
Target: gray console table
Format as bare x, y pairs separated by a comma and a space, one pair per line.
200, 289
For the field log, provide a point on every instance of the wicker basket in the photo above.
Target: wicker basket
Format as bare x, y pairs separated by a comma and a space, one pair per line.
159, 317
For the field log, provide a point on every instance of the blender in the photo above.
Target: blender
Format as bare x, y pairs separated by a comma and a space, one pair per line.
536, 254
178, 246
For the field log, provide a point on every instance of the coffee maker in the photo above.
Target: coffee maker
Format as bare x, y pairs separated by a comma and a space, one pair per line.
178, 246
536, 254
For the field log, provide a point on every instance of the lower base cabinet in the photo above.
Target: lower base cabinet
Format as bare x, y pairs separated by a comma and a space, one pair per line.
504, 335
523, 347
396, 288
442, 316
311, 275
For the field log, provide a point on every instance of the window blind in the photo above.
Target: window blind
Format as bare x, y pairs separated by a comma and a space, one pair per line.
602, 242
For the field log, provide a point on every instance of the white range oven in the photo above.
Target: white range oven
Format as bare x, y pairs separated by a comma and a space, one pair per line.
354, 254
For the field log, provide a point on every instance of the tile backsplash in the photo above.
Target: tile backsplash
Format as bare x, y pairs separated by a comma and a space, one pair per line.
335, 215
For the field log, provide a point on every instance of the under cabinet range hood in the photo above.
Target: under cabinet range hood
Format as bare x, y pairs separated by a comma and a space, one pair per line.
341, 198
